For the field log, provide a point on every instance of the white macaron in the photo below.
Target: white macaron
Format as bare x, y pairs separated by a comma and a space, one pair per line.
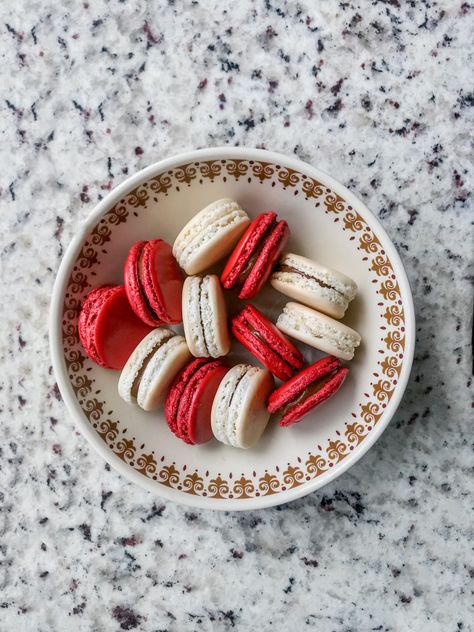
210, 235
205, 317
151, 368
317, 286
239, 413
318, 330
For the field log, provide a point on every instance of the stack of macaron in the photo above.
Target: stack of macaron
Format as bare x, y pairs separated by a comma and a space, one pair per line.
126, 328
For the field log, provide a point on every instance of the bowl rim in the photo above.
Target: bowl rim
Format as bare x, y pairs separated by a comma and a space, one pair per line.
56, 316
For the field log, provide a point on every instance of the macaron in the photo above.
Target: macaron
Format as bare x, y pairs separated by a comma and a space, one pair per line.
153, 282
210, 235
318, 330
108, 328
152, 367
189, 401
258, 250
313, 284
239, 415
266, 343
306, 390
205, 317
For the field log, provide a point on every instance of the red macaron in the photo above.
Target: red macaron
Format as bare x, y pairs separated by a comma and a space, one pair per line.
154, 282
254, 257
108, 328
190, 397
307, 389
266, 342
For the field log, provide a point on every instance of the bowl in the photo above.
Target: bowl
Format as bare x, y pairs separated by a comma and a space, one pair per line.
329, 224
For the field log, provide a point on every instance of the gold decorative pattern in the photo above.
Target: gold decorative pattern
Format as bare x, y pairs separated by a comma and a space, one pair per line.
255, 484
185, 174
355, 434
193, 483
160, 184
210, 169
288, 177
269, 484
243, 488
312, 188
237, 168
262, 170
353, 221
391, 366
316, 465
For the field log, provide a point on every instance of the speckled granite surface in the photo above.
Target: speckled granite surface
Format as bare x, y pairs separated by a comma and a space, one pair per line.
376, 93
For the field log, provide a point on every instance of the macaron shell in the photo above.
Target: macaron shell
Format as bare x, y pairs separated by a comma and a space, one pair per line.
194, 408
176, 390
88, 317
215, 249
313, 284
192, 324
133, 286
328, 390
300, 322
274, 245
162, 280
239, 414
209, 214
291, 287
118, 330
245, 248
199, 421
210, 235
222, 400
253, 416
272, 336
160, 372
205, 317
216, 329
261, 351
137, 359
291, 390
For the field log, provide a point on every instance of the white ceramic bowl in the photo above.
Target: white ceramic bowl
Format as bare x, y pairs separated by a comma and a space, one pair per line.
328, 224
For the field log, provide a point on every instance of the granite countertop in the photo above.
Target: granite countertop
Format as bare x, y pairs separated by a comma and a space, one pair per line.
377, 93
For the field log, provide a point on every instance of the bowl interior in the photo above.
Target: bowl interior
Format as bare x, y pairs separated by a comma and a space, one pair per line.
325, 227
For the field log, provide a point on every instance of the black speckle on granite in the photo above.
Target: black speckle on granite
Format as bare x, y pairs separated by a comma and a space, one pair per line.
85, 529
126, 617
